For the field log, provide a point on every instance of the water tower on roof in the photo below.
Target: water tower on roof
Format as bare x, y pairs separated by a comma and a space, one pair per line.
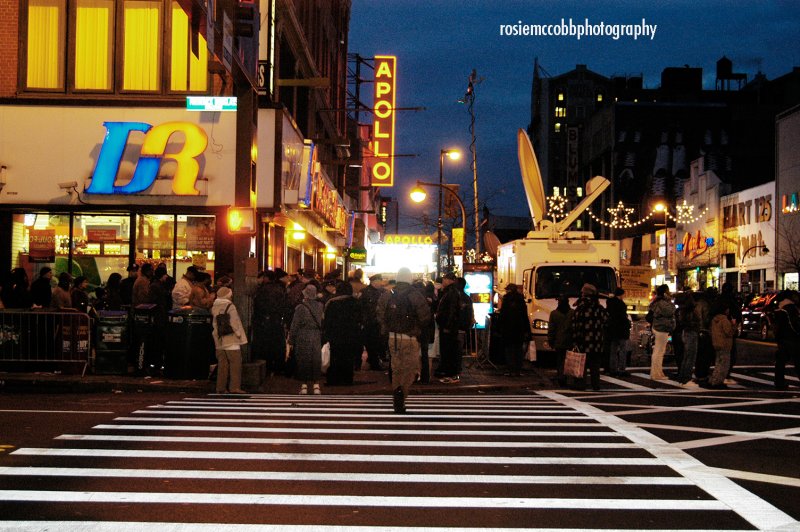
725, 75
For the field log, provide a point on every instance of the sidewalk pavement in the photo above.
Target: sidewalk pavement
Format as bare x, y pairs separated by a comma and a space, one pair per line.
366, 382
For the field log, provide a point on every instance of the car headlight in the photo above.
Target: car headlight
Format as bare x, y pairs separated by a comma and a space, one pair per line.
540, 324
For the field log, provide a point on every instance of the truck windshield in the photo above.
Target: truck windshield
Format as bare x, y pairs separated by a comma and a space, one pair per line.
552, 281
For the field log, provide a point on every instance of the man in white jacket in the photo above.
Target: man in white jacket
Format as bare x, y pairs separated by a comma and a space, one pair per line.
229, 354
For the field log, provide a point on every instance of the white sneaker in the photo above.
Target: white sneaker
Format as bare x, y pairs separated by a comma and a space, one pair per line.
303, 389
317, 391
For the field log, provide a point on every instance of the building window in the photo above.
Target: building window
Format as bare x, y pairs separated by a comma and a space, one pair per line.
560, 96
599, 97
561, 112
90, 46
47, 37
142, 45
94, 44
188, 71
558, 127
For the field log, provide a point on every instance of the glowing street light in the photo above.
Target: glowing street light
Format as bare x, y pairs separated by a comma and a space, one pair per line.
453, 155
418, 195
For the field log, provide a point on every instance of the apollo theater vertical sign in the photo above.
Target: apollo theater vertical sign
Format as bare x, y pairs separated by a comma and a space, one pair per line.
382, 174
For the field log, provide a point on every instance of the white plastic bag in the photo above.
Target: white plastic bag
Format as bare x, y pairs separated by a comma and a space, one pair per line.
326, 356
530, 355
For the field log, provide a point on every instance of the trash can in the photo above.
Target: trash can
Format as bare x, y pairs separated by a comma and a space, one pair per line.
190, 344
113, 342
143, 322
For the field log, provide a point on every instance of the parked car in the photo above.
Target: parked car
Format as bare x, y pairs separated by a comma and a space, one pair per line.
758, 316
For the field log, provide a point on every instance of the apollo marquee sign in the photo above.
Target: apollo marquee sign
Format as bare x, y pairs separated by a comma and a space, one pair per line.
383, 133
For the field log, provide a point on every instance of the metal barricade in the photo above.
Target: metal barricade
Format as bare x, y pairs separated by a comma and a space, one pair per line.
44, 337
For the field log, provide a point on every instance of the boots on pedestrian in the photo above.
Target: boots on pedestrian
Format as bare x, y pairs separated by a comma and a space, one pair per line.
399, 401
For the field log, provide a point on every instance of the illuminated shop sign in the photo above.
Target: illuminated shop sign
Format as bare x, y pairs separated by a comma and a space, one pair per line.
383, 126
747, 212
408, 239
789, 202
327, 204
150, 158
211, 103
694, 245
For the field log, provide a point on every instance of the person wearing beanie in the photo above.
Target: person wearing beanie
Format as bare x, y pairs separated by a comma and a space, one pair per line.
305, 340
227, 342
403, 313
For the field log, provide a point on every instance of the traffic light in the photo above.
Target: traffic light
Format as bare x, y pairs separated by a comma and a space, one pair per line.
383, 210
246, 19
241, 220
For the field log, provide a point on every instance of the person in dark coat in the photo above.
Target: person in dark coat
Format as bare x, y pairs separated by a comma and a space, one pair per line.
588, 330
728, 299
41, 291
341, 325
787, 334
80, 298
305, 339
559, 335
515, 328
374, 340
447, 319
269, 309
618, 333
689, 325
428, 332
15, 291
113, 297
126, 285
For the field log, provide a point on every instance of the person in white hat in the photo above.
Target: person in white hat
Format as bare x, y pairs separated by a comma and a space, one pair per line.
227, 341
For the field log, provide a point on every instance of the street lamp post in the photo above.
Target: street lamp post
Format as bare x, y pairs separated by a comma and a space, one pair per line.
742, 267
418, 195
453, 155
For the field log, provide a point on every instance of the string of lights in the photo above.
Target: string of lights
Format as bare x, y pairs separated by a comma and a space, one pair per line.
620, 215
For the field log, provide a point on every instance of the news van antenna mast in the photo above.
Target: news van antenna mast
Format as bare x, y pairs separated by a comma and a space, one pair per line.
469, 99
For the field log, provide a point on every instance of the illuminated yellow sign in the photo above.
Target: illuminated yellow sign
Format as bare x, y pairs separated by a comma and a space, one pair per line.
408, 239
383, 125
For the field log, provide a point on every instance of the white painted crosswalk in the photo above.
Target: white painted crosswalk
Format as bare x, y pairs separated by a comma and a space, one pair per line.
532, 462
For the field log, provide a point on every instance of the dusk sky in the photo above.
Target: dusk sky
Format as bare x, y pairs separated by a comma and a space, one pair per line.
439, 42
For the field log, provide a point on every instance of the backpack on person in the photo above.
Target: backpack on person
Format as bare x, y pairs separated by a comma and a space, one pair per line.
466, 314
223, 321
399, 314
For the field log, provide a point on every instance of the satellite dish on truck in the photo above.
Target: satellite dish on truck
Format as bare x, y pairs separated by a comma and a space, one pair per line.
531, 177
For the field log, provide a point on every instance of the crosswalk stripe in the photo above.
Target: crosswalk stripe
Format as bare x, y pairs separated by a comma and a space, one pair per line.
668, 382
332, 457
313, 476
207, 428
587, 423
624, 383
361, 500
387, 407
389, 414
741, 376
118, 526
354, 443
392, 420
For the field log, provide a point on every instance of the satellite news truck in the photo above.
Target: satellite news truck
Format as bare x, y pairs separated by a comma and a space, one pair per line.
552, 260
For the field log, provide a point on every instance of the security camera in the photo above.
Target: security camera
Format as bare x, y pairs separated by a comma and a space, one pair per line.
68, 185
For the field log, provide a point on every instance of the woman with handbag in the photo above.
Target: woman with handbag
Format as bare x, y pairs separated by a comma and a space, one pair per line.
305, 341
588, 331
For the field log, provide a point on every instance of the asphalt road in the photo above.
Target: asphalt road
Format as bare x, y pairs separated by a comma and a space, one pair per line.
661, 458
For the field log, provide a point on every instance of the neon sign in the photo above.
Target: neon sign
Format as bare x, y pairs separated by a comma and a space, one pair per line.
383, 108
150, 158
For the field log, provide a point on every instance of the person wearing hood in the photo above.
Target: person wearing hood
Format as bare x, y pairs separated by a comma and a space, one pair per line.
787, 335
227, 343
515, 329
341, 325
305, 340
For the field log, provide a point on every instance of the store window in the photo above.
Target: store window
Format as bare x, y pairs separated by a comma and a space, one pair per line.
181, 240
100, 246
37, 240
